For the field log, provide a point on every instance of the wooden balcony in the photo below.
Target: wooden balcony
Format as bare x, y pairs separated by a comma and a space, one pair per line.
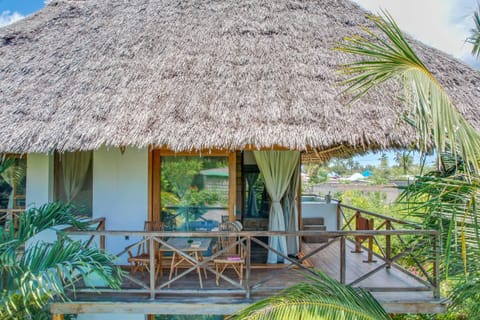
373, 259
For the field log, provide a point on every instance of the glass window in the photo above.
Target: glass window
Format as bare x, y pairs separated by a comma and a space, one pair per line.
194, 192
74, 180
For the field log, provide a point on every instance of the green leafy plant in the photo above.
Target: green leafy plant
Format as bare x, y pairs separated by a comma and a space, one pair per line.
33, 275
320, 298
446, 198
474, 37
431, 111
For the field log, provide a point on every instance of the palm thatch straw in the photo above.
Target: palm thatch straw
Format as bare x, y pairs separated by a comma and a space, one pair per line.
199, 74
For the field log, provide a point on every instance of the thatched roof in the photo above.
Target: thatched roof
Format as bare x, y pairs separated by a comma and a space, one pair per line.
195, 74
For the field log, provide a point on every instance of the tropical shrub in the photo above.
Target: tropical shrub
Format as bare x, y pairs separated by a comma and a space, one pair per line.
31, 276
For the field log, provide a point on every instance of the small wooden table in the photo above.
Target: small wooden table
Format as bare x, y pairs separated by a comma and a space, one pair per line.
195, 249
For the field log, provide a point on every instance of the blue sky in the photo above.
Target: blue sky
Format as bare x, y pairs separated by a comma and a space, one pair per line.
24, 7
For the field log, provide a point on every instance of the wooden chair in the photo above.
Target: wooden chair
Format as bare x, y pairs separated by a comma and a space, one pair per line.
362, 223
233, 257
140, 260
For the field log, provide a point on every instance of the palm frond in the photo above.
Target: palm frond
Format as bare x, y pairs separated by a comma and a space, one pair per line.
432, 112
446, 201
320, 298
467, 294
44, 271
30, 277
35, 220
474, 37
5, 163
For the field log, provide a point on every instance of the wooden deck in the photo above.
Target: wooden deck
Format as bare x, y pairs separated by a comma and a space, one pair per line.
399, 290
185, 296
407, 297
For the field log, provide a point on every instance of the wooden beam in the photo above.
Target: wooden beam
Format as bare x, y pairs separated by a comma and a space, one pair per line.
150, 184
217, 151
171, 307
155, 178
211, 306
414, 307
204, 153
232, 184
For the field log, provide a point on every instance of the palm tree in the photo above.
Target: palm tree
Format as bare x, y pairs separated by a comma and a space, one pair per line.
474, 37
445, 199
392, 57
32, 276
404, 160
320, 298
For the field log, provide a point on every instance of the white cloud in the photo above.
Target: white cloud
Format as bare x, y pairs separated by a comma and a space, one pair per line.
8, 17
443, 24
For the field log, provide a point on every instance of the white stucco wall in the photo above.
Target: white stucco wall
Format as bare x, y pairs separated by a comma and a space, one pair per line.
120, 192
39, 179
120, 189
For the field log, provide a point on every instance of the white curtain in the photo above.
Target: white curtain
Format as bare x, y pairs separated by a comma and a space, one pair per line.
74, 170
291, 210
277, 168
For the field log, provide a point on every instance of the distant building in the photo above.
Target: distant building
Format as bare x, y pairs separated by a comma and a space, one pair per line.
366, 173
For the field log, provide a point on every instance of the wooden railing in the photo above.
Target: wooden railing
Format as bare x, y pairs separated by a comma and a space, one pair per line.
7, 215
252, 284
419, 255
97, 224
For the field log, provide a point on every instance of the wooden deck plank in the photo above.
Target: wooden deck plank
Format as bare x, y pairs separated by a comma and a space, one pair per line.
328, 261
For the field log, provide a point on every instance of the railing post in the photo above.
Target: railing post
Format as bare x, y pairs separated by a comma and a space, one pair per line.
358, 241
343, 259
102, 237
151, 250
247, 266
339, 216
388, 244
436, 265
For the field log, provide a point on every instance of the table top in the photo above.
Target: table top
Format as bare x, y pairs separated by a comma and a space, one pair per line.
197, 244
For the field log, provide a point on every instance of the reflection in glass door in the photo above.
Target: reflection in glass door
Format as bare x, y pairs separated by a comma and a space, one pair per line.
194, 192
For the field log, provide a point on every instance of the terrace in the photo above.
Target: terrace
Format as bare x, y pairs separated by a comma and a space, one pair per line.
397, 261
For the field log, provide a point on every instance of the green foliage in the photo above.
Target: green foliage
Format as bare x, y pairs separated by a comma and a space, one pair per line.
196, 197
465, 297
188, 317
31, 276
178, 174
5, 163
431, 111
446, 199
404, 160
316, 172
12, 176
320, 298
474, 37
371, 201
344, 166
